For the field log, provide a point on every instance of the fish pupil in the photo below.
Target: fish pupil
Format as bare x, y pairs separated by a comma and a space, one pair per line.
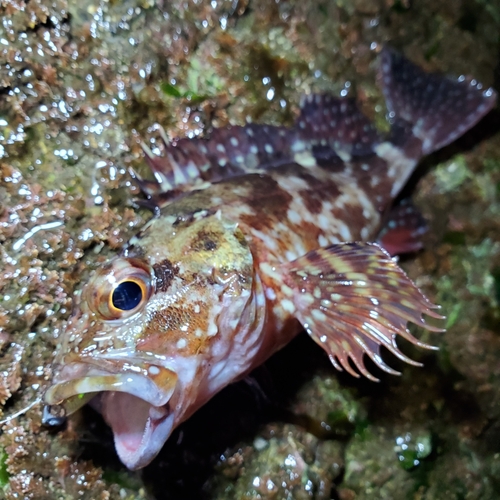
127, 295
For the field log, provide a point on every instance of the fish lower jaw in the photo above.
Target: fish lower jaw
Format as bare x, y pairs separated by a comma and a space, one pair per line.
140, 429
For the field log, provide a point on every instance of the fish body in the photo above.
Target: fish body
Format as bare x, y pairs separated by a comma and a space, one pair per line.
259, 232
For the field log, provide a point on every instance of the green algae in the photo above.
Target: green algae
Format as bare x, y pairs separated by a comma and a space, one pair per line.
411, 449
452, 175
201, 82
373, 468
4, 473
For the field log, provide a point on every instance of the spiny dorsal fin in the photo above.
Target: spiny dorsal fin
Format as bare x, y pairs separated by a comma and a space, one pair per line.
228, 152
352, 298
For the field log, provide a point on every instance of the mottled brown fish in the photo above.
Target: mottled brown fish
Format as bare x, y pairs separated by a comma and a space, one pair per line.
260, 232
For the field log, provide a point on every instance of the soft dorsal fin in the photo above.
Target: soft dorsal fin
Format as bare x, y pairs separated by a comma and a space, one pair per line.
338, 123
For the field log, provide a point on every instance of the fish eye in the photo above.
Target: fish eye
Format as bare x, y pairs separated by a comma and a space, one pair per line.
127, 295
120, 289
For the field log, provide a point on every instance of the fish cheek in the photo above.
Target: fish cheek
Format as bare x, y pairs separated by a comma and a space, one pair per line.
176, 330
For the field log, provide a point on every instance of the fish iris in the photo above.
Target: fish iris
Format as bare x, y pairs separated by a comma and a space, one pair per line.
127, 295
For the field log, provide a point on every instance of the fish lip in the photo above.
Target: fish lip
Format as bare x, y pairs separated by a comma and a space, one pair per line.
81, 379
135, 385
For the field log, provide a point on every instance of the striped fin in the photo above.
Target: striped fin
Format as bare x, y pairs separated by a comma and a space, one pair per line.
352, 298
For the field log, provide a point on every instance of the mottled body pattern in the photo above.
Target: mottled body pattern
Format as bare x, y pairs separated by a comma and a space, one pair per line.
259, 233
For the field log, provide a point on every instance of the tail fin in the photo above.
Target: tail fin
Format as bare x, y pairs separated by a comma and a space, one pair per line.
433, 108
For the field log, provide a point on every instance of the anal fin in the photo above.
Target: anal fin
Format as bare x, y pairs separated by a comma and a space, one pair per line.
353, 298
403, 229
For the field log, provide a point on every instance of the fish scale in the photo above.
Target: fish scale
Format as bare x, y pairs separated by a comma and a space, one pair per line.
260, 232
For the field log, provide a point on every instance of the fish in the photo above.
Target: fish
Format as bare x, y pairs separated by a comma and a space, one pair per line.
260, 232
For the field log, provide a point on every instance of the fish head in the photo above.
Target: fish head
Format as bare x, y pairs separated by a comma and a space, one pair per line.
149, 328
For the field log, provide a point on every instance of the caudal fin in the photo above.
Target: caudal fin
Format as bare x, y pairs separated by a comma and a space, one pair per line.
431, 107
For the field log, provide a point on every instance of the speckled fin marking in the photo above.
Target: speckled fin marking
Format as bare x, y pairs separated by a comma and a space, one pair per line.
326, 127
336, 123
352, 298
427, 112
228, 152
403, 229
433, 108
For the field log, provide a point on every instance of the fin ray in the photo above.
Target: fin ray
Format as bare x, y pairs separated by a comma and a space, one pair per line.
352, 299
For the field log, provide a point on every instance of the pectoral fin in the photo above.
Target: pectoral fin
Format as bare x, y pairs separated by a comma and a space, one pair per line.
352, 298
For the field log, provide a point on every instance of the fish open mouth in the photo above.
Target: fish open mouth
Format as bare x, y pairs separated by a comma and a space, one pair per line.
134, 405
139, 428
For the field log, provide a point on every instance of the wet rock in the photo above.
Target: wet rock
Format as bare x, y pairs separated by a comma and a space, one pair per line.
284, 463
